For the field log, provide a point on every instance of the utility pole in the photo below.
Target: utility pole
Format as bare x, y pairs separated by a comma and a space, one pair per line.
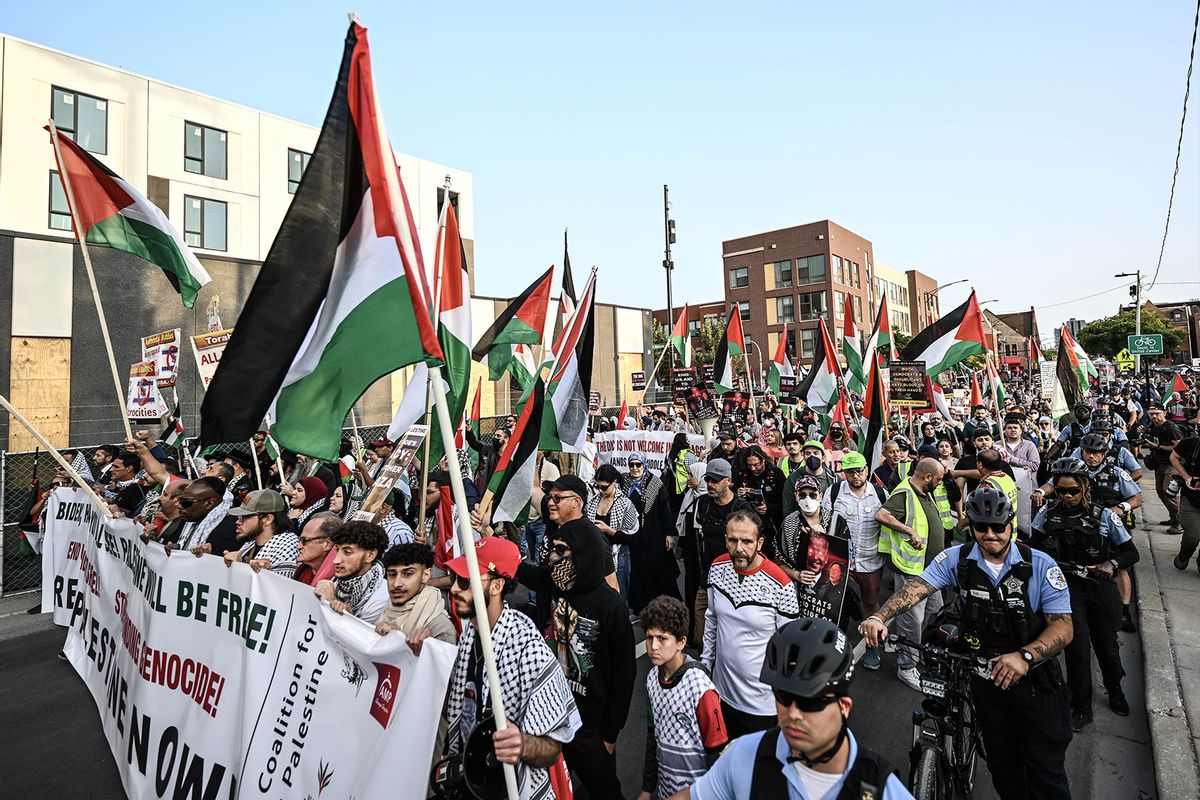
1135, 292
669, 265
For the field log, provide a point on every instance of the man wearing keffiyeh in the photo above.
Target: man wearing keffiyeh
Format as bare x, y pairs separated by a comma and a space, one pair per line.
358, 585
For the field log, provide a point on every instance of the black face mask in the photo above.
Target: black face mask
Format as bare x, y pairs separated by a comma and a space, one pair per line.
812, 462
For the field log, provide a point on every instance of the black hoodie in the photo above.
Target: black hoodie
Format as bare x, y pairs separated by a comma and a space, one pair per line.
594, 640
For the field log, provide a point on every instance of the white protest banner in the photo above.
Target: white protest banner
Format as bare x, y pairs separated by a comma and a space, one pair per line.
614, 448
207, 347
1049, 376
219, 682
163, 350
144, 401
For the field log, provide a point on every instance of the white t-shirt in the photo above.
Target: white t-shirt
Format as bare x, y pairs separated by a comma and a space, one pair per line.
995, 569
816, 784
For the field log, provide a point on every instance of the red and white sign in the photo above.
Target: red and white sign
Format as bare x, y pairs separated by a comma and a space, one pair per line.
163, 350
207, 347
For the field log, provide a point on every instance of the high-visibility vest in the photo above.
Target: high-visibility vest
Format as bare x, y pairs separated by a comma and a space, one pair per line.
941, 499
906, 558
903, 469
1001, 481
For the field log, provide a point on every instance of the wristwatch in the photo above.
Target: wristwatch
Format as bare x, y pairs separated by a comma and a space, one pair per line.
1028, 656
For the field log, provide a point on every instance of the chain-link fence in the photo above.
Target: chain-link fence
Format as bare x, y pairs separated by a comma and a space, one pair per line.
20, 566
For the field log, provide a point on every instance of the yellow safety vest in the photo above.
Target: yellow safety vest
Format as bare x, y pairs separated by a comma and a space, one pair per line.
941, 499
1001, 481
906, 558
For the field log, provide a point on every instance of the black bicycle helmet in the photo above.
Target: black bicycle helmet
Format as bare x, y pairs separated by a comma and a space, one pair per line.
808, 658
1073, 467
988, 505
1102, 423
1082, 411
1096, 443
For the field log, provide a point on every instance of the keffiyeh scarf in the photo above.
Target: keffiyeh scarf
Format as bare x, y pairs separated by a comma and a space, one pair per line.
355, 592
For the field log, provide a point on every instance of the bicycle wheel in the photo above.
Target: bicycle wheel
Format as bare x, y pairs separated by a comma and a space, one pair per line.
927, 781
966, 754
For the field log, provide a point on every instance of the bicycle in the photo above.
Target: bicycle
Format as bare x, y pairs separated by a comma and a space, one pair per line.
947, 744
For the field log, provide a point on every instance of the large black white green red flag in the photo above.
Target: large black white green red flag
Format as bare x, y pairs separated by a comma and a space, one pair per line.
564, 422
511, 484
949, 340
821, 386
340, 300
732, 344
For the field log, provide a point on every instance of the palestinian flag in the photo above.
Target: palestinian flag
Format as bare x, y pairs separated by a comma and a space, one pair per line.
680, 339
511, 485
568, 299
340, 300
873, 425
172, 432
1081, 357
1178, 384
976, 395
781, 364
622, 414
949, 340
1070, 374
522, 367
106, 210
939, 400
346, 466
1035, 355
881, 337
995, 388
856, 379
453, 323
732, 344
564, 425
522, 322
822, 385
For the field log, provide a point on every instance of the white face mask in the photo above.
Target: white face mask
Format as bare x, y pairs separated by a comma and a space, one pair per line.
809, 505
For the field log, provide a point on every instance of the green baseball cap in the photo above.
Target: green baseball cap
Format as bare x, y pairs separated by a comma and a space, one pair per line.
853, 460
816, 444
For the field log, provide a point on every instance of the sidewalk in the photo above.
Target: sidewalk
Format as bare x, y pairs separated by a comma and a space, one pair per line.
1168, 603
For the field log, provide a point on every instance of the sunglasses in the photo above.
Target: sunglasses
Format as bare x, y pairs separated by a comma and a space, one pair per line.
603, 486
558, 498
711, 479
635, 465
808, 705
807, 495
465, 583
1065, 491
994, 527
187, 502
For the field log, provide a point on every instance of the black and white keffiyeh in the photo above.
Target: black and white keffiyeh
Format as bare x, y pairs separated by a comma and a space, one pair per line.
197, 533
355, 592
623, 517
282, 550
536, 696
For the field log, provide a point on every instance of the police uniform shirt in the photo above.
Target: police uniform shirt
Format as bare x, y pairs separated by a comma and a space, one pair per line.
1110, 525
1064, 435
1125, 485
1125, 459
730, 778
1047, 586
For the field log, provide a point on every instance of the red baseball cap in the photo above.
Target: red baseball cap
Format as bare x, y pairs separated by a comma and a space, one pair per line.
495, 554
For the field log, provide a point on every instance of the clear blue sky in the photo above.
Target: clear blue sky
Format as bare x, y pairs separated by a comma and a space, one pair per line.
1026, 146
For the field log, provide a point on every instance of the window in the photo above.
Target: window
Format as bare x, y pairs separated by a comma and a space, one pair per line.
808, 337
810, 270
791, 342
297, 164
739, 278
812, 305
854, 279
712, 319
839, 303
82, 117
783, 274
204, 223
858, 317
744, 310
204, 150
442, 199
839, 273
60, 212
785, 309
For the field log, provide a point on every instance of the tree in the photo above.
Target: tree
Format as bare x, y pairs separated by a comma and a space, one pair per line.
704, 347
900, 340
1108, 336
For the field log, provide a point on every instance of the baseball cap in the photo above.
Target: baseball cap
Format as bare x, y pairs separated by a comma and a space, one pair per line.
853, 460
573, 484
718, 468
814, 443
729, 434
382, 441
261, 501
494, 554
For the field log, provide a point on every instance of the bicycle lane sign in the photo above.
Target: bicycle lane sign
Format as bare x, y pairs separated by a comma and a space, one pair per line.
1146, 344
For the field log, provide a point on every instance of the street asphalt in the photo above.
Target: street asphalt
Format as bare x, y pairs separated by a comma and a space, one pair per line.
55, 748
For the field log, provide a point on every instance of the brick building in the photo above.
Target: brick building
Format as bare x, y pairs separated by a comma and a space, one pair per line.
1012, 332
1183, 315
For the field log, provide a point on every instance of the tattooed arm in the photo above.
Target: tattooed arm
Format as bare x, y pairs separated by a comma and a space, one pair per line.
1058, 635
874, 627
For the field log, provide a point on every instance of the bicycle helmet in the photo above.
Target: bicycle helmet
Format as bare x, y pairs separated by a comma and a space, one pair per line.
1102, 423
808, 658
1082, 411
989, 505
1095, 442
1073, 467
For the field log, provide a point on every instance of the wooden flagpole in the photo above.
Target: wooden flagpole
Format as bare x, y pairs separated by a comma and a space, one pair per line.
467, 542
257, 468
19, 417
439, 257
65, 175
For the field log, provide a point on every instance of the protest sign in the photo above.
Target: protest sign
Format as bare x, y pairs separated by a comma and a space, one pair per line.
391, 472
614, 448
214, 314
682, 381
143, 400
207, 347
1049, 376
822, 588
215, 681
594, 403
637, 381
163, 350
907, 387
787, 383
737, 404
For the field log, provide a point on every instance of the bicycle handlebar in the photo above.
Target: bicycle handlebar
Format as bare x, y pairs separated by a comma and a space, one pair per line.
941, 653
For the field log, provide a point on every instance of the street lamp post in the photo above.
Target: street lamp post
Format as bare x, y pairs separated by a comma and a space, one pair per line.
931, 296
1137, 312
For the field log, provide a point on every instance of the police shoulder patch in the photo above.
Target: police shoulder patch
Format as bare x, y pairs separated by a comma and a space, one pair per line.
1055, 577
942, 556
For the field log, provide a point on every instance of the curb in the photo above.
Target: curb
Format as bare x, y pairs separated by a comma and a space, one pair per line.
1175, 769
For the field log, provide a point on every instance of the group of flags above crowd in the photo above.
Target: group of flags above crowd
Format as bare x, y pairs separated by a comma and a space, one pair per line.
343, 298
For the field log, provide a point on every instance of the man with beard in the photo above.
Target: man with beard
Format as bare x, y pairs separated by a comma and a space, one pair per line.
762, 487
207, 527
704, 536
590, 633
538, 704
749, 598
358, 584
264, 531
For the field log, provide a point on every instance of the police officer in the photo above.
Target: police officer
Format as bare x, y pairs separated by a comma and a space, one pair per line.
1015, 610
811, 753
1070, 435
1090, 544
1118, 449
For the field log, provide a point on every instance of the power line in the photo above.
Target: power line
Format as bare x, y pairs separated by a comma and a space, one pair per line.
1086, 297
1187, 88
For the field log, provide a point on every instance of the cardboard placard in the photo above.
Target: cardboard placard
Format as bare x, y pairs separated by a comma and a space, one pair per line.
144, 401
907, 386
163, 350
638, 380
594, 403
391, 472
787, 383
682, 381
207, 347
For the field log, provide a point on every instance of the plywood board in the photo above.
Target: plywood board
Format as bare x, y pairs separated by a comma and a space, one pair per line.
40, 388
